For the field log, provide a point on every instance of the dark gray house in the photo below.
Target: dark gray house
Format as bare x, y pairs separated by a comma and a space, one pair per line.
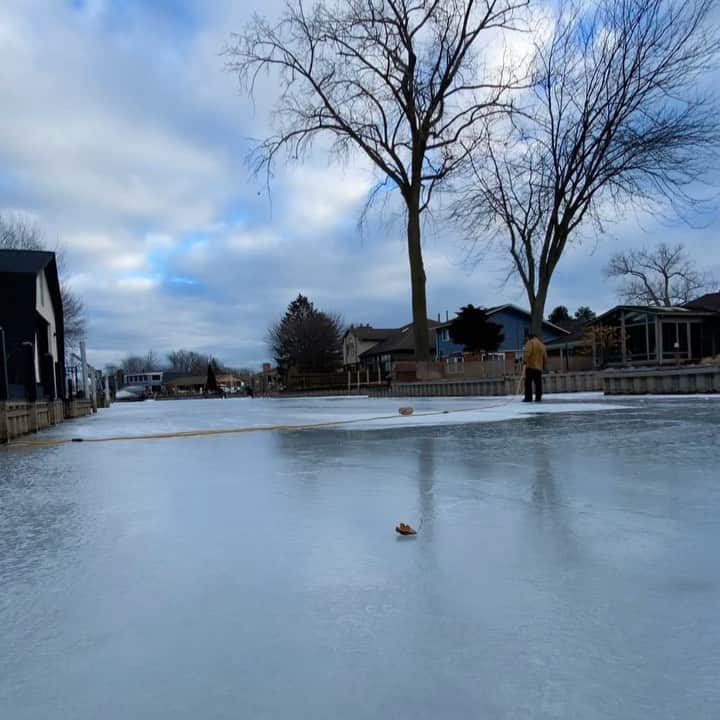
397, 346
31, 317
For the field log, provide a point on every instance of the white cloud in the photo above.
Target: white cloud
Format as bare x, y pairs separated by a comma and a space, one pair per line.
122, 135
319, 197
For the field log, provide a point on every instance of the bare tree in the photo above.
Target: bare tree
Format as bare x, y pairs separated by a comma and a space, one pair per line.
602, 341
188, 361
151, 361
18, 233
132, 364
616, 120
399, 81
663, 276
140, 363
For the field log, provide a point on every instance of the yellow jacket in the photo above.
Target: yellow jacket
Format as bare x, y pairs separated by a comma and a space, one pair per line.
535, 355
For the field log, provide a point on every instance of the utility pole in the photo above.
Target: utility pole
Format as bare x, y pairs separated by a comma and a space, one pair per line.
83, 362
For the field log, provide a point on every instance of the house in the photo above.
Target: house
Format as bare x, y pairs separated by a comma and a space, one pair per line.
187, 385
639, 335
570, 353
398, 346
154, 380
358, 340
31, 316
229, 382
515, 323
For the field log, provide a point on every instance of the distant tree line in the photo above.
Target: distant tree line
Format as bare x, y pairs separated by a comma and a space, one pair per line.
187, 362
561, 317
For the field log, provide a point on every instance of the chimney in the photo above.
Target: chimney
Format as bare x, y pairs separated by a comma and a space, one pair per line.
447, 316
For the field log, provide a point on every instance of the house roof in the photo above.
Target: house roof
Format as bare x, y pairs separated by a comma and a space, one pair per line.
578, 336
170, 376
508, 306
29, 262
709, 301
365, 332
189, 380
673, 310
402, 340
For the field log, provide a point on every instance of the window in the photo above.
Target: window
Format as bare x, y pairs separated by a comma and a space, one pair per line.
156, 377
675, 340
41, 278
445, 335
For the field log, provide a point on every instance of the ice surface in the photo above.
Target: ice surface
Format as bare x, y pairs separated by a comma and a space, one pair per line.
565, 565
351, 413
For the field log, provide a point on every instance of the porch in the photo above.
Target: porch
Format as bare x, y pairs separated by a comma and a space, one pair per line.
639, 336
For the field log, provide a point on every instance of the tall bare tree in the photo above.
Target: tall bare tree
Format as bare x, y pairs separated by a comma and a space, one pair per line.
616, 120
399, 81
663, 276
18, 233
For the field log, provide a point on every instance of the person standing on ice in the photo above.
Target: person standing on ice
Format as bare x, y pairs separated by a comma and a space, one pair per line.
535, 356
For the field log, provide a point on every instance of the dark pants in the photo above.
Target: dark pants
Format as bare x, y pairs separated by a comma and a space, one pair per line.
533, 377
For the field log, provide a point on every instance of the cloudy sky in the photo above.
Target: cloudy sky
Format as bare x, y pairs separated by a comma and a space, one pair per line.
124, 138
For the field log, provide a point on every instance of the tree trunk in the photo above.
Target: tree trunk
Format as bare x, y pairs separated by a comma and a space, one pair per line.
417, 280
537, 309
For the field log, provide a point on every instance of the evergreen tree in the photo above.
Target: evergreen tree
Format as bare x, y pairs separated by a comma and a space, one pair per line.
584, 313
306, 339
560, 315
211, 383
472, 329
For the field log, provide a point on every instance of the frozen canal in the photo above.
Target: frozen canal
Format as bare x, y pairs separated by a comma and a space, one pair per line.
566, 567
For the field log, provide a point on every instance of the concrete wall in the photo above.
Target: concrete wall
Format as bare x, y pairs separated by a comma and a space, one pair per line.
559, 383
661, 382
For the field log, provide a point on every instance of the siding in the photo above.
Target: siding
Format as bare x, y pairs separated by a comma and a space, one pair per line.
516, 325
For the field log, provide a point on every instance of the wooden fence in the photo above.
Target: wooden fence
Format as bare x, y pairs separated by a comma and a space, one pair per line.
21, 417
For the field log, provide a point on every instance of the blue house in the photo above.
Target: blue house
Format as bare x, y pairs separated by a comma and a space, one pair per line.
515, 323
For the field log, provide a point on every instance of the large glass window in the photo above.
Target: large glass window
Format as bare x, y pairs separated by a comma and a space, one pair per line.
675, 340
640, 337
